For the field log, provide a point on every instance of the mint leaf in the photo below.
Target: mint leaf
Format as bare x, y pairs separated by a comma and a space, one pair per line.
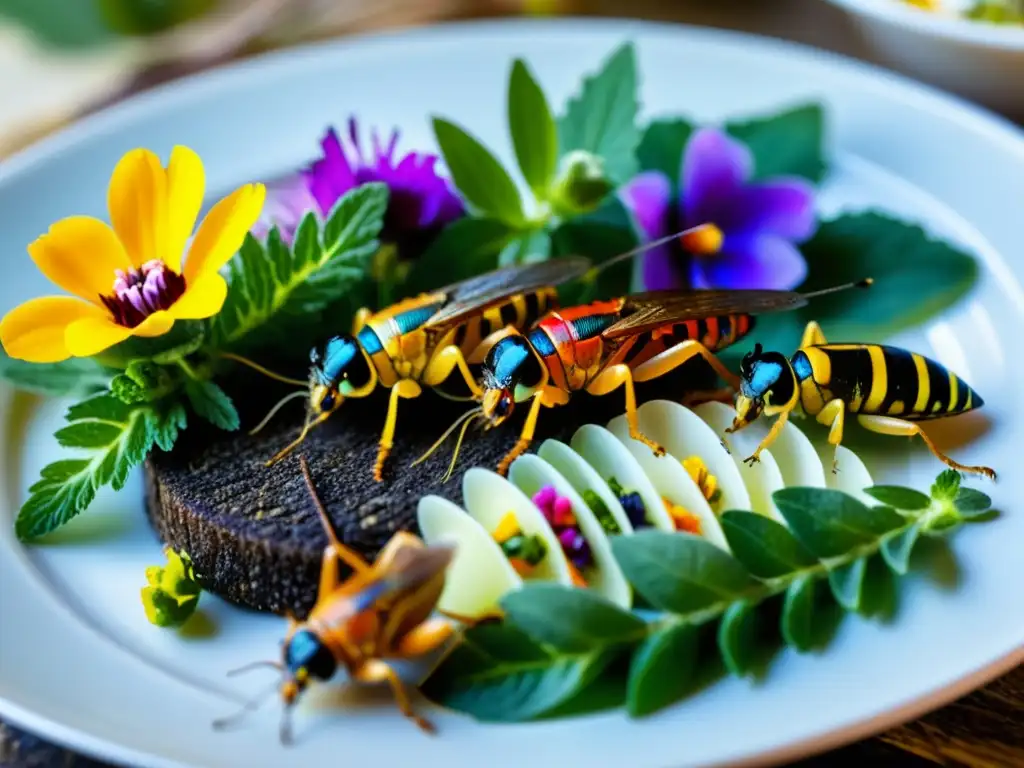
767, 549
846, 581
602, 117
116, 436
600, 236
679, 572
212, 403
73, 377
663, 145
906, 499
790, 143
797, 622
573, 620
274, 288
465, 248
830, 523
528, 247
661, 669
946, 485
143, 381
737, 638
896, 547
479, 176
878, 595
971, 503
509, 678
534, 134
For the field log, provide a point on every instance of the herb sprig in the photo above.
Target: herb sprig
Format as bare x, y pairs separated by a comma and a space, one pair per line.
836, 552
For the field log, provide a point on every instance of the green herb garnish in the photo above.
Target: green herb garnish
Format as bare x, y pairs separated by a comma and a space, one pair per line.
601, 512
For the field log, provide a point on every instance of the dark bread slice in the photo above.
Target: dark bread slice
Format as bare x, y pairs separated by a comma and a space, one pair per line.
252, 531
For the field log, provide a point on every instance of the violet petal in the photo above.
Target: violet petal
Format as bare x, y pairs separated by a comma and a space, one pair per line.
647, 195
715, 167
752, 261
782, 206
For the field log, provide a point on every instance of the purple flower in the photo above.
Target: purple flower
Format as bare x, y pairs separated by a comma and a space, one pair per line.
756, 225
420, 205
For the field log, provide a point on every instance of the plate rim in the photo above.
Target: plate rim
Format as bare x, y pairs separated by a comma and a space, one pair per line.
978, 119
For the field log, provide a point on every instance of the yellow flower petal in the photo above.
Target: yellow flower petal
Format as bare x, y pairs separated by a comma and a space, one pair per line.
203, 298
137, 201
90, 336
80, 254
34, 331
223, 230
186, 182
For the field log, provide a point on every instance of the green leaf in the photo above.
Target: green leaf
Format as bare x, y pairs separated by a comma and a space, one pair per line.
896, 497
117, 436
830, 523
534, 133
68, 378
275, 289
878, 596
501, 675
679, 572
897, 547
600, 236
737, 638
602, 117
946, 486
528, 247
465, 248
766, 548
662, 147
212, 403
143, 381
797, 622
790, 143
479, 176
971, 503
846, 581
573, 620
661, 669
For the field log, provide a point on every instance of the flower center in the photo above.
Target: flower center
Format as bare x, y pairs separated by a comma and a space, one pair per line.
704, 240
138, 293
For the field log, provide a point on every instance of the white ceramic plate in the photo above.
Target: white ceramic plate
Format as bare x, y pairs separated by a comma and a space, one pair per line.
80, 664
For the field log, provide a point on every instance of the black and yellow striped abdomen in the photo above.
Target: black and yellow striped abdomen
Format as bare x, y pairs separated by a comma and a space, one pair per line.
520, 310
874, 379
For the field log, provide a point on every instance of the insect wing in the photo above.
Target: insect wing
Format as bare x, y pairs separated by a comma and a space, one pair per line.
655, 309
410, 567
476, 294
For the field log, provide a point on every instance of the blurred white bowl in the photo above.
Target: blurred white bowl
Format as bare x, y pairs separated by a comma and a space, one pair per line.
979, 60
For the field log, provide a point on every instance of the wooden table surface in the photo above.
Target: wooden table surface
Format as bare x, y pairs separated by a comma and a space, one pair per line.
984, 729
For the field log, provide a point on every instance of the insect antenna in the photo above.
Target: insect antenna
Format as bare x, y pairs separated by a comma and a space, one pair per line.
285, 732
252, 705
867, 282
454, 398
351, 559
256, 665
277, 407
265, 371
447, 433
697, 231
310, 423
458, 445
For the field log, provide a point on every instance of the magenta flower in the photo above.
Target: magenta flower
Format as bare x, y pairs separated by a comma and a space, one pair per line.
420, 205
758, 224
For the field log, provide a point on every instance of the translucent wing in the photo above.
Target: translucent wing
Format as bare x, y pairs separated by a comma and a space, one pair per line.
476, 294
411, 567
647, 311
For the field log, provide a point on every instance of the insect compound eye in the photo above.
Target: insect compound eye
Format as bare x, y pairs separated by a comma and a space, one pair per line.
327, 402
306, 651
504, 405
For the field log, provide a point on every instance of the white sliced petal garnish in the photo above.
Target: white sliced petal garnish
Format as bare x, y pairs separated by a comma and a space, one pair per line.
851, 475
582, 477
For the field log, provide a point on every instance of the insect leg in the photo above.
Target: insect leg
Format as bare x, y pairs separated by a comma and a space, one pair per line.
335, 549
424, 638
887, 425
673, 357
408, 389
833, 415
362, 315
812, 336
770, 438
526, 436
612, 378
443, 363
376, 671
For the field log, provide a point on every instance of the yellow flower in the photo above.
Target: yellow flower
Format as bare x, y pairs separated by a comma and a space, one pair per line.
131, 276
698, 471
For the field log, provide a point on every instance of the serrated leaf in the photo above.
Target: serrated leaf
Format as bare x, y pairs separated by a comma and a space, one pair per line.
896, 497
170, 421
569, 619
514, 686
533, 129
846, 581
797, 621
897, 547
830, 523
971, 503
212, 403
465, 248
602, 117
478, 175
679, 572
662, 145
100, 407
87, 434
737, 637
766, 548
790, 143
68, 378
661, 669
946, 485
143, 381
